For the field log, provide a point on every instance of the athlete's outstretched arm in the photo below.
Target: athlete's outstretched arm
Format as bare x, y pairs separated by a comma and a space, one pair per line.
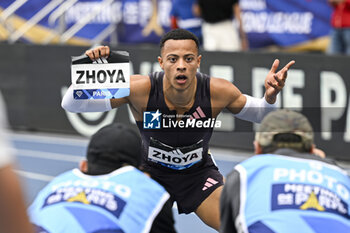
226, 95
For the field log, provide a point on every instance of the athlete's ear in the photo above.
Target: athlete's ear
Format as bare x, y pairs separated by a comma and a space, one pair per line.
257, 148
317, 151
160, 61
199, 59
83, 166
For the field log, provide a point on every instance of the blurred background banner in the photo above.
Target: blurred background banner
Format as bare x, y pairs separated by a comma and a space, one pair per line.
286, 23
148, 21
84, 21
289, 24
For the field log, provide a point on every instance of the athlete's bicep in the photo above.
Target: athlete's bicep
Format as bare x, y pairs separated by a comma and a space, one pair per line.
115, 103
226, 95
237, 104
139, 90
140, 87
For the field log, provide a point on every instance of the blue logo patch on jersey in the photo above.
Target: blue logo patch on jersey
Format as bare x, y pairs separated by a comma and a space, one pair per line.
88, 196
152, 119
307, 197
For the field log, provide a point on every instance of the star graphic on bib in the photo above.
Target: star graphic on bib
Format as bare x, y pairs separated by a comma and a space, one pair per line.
156, 115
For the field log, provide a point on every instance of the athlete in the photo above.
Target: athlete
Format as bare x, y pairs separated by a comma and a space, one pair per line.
287, 187
107, 194
183, 104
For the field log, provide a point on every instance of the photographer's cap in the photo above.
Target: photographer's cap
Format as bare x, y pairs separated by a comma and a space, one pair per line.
282, 122
113, 146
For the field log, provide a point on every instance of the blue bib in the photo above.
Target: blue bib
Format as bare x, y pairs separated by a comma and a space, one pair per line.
125, 200
279, 191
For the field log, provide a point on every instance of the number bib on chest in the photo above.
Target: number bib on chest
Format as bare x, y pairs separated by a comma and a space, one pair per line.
177, 158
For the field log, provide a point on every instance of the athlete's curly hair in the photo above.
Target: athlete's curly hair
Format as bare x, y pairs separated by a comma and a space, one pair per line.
178, 34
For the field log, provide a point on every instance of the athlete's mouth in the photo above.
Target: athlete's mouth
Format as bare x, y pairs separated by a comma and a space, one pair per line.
181, 77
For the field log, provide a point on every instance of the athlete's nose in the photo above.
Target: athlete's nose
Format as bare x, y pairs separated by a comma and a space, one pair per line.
181, 65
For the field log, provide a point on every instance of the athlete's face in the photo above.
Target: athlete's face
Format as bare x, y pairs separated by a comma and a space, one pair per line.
180, 61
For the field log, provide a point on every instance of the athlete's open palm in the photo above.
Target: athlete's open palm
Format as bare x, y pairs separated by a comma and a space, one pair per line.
274, 82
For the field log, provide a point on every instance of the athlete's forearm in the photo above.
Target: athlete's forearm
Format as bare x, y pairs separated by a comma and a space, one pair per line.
72, 105
255, 109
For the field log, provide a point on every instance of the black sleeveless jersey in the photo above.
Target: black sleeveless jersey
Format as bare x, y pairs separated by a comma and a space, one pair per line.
171, 141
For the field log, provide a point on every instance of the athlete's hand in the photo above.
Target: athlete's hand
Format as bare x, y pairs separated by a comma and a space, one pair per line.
274, 82
98, 52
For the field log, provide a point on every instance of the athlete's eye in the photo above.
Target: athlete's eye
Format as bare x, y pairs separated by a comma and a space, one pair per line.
172, 59
189, 59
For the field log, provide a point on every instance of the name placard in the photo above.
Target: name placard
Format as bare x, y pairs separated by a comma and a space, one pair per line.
101, 80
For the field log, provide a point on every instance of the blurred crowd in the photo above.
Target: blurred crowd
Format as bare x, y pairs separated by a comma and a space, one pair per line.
221, 25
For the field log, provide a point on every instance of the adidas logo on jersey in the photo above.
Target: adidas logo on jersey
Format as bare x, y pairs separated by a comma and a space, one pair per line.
209, 183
